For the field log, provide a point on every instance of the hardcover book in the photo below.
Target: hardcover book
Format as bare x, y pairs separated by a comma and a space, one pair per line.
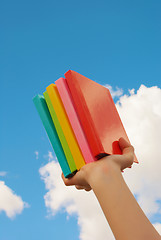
97, 113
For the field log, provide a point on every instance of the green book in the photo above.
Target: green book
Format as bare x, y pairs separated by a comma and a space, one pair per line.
46, 119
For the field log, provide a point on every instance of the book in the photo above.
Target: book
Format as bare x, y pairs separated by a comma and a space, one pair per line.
45, 117
97, 113
60, 133
65, 125
74, 120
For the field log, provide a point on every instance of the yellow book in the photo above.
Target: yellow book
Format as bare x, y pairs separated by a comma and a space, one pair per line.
65, 125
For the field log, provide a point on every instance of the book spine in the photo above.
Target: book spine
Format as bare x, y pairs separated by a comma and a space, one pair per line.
74, 120
84, 116
45, 117
60, 133
65, 125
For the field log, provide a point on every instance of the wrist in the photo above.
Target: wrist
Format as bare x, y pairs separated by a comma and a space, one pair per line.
102, 172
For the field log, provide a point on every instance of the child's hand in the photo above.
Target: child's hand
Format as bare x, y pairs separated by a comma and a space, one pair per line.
88, 173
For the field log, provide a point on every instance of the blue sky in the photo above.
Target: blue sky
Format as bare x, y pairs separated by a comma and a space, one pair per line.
112, 42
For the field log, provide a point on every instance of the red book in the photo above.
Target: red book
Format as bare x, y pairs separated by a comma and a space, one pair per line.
97, 113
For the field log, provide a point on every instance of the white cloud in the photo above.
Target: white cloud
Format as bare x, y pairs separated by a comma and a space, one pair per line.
90, 217
3, 174
141, 116
158, 227
50, 156
115, 93
10, 203
37, 154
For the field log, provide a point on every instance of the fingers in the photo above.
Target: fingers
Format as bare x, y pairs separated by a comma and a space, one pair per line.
127, 150
79, 187
76, 180
125, 146
81, 181
83, 188
71, 181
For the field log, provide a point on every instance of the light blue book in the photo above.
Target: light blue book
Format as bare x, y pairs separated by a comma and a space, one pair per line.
46, 119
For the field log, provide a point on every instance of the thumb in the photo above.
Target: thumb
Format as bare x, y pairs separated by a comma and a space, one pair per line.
127, 150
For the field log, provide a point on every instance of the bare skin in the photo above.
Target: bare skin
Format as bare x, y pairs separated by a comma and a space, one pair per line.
104, 177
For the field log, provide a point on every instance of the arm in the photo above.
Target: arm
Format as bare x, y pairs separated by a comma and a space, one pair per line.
124, 215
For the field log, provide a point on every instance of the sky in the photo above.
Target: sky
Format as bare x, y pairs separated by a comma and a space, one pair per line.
115, 43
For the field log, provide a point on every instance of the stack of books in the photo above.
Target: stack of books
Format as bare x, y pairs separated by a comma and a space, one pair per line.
81, 121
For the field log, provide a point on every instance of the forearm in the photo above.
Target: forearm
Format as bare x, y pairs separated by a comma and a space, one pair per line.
124, 215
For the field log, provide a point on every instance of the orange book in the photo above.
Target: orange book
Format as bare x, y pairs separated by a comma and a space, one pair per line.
97, 113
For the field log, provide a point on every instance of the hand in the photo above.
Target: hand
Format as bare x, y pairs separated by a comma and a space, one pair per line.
124, 215
88, 173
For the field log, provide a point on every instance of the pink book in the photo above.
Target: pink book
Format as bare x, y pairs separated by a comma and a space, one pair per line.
74, 120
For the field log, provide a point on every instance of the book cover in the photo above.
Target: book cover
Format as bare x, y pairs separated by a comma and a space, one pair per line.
74, 120
65, 125
97, 113
45, 117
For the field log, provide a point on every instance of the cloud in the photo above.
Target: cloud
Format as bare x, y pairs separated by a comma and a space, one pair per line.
10, 203
158, 227
3, 174
141, 116
91, 220
37, 154
50, 156
115, 93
